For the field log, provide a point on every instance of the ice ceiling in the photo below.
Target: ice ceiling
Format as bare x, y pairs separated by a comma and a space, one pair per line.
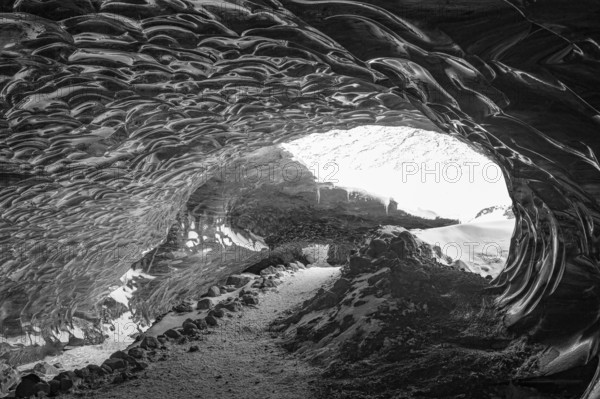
113, 113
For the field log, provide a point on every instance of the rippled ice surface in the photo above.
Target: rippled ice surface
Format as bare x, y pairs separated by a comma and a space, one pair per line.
115, 112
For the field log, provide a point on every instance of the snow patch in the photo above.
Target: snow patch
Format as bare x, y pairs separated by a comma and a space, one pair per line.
482, 246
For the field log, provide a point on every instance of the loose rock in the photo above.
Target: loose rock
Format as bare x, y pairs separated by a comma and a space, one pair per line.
149, 342
122, 355
214, 291
204, 304
115, 364
184, 307
218, 312
54, 387
29, 386
250, 299
67, 380
173, 334
201, 323
190, 328
137, 353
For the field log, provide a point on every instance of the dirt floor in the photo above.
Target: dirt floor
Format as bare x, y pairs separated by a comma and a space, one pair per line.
238, 359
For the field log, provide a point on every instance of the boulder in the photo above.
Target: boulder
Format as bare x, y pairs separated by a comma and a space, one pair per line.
190, 328
211, 321
172, 333
214, 291
183, 307
218, 312
204, 303
149, 342
122, 355
30, 385
67, 380
137, 353
54, 387
66, 384
237, 280
82, 373
201, 323
115, 364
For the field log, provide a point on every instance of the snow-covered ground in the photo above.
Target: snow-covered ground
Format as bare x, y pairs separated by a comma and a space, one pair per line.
482, 246
427, 173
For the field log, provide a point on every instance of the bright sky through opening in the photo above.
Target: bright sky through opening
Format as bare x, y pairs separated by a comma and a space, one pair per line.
427, 173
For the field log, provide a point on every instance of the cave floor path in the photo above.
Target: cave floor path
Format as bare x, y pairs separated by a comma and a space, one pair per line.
239, 359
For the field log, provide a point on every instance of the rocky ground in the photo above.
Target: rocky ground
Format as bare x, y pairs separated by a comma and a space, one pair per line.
397, 324
391, 323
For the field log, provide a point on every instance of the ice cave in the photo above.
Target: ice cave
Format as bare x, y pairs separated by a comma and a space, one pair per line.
300, 198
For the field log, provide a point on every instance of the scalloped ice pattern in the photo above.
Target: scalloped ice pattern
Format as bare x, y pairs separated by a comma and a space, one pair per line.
113, 113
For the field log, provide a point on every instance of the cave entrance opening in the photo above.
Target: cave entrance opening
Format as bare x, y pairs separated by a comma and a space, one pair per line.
459, 194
